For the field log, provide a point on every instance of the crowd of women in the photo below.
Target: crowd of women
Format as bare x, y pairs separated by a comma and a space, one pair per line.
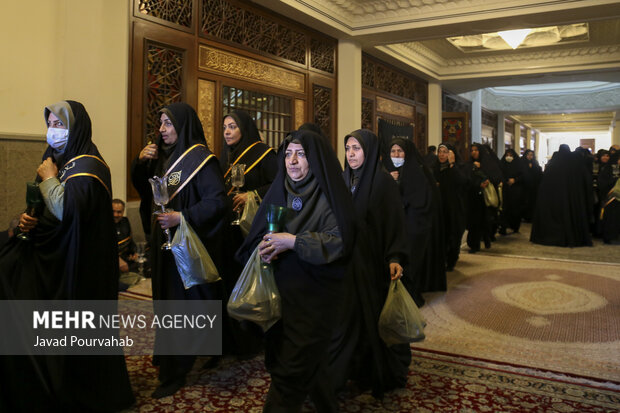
349, 232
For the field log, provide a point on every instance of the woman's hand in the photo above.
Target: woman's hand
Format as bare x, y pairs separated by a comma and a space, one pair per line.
452, 158
395, 175
484, 184
511, 181
477, 164
396, 271
274, 244
169, 219
239, 201
26, 222
47, 169
148, 152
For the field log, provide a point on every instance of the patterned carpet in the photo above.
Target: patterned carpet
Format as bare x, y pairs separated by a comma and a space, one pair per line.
437, 383
512, 334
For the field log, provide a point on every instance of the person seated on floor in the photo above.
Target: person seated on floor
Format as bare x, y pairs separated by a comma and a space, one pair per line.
127, 257
7, 234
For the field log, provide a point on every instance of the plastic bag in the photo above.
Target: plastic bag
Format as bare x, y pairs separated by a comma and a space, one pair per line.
490, 196
249, 211
400, 320
192, 258
255, 296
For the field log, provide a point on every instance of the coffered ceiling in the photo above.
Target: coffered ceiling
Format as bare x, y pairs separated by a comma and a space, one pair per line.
412, 35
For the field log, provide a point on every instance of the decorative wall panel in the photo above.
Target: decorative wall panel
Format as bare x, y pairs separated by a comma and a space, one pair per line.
322, 108
368, 73
395, 83
230, 64
206, 110
173, 11
164, 85
226, 21
300, 112
367, 114
322, 55
395, 108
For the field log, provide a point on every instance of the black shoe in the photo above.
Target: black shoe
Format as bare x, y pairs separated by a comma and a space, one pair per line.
168, 389
487, 244
473, 250
502, 231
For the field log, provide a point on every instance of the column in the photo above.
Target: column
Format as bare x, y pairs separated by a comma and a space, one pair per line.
528, 138
536, 143
516, 136
615, 130
476, 116
349, 91
434, 114
501, 134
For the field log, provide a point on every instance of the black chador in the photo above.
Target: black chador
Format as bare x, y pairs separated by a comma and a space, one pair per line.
196, 189
421, 201
309, 277
73, 257
358, 352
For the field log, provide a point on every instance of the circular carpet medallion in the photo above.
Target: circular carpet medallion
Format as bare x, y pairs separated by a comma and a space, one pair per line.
541, 304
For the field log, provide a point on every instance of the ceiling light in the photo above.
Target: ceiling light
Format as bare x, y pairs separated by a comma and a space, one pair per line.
514, 37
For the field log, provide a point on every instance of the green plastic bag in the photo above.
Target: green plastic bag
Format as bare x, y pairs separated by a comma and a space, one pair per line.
249, 212
256, 297
401, 320
192, 258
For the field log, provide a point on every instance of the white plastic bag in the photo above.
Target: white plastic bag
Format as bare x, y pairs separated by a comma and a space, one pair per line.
192, 258
256, 297
249, 211
400, 320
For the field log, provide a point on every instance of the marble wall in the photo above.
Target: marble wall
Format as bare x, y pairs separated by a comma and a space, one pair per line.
20, 155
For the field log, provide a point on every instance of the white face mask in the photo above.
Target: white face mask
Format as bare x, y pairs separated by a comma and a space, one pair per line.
398, 162
57, 138
509, 159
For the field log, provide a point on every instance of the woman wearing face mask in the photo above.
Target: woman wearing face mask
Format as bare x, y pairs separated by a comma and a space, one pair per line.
309, 259
420, 197
199, 195
452, 182
381, 249
512, 193
71, 255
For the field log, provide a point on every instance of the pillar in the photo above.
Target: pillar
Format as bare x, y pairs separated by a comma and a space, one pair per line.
349, 91
501, 134
476, 116
434, 114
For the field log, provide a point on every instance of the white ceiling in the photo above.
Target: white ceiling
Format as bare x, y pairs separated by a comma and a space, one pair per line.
411, 34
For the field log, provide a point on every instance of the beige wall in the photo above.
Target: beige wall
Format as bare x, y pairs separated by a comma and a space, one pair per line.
70, 49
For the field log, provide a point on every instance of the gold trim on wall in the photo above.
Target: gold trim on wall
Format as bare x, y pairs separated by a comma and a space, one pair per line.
300, 109
206, 109
395, 108
225, 63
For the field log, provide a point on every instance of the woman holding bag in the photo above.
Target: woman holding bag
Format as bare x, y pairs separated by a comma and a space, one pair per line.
381, 249
196, 190
309, 258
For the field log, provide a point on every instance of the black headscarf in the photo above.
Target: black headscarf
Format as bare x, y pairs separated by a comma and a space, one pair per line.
249, 135
366, 172
326, 170
489, 164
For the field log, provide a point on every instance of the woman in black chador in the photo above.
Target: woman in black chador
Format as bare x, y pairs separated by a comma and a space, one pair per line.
483, 170
512, 192
381, 249
452, 182
532, 174
564, 207
71, 255
312, 254
199, 195
426, 270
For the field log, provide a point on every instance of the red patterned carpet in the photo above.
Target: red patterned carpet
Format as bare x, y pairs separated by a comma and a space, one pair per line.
510, 335
437, 383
